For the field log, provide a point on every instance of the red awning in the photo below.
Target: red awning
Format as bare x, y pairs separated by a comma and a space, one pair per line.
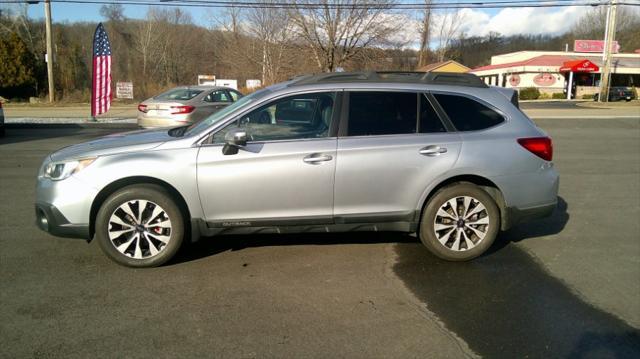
579, 66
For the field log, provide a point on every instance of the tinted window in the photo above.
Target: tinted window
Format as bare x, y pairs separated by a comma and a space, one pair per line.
295, 117
179, 94
429, 120
382, 113
467, 114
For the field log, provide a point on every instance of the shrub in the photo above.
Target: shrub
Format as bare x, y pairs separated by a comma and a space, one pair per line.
544, 96
558, 96
587, 96
529, 93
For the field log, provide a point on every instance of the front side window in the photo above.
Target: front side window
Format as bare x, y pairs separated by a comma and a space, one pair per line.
218, 96
467, 114
235, 95
382, 113
290, 118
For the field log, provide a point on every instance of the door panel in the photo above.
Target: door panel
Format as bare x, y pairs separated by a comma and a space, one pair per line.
384, 176
268, 183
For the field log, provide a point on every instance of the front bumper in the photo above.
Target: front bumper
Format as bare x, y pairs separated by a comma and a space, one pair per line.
63, 207
51, 220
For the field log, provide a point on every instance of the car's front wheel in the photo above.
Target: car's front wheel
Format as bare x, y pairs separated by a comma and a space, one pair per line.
460, 222
140, 226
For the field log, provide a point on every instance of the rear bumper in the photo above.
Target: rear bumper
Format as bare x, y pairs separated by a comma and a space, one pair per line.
51, 220
156, 122
517, 215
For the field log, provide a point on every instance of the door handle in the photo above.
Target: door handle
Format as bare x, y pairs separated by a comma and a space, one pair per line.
432, 150
316, 158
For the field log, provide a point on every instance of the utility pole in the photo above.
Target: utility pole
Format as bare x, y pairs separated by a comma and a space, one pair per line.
47, 15
610, 35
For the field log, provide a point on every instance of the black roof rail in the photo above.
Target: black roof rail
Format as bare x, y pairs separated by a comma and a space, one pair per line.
435, 78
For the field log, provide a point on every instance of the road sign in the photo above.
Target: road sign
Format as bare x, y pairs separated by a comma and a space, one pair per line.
124, 90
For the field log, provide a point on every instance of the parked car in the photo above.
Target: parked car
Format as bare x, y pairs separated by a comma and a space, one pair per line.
440, 155
618, 94
184, 105
1, 120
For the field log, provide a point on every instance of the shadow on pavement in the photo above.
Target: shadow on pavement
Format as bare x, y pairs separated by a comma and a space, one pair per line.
548, 226
505, 304
213, 245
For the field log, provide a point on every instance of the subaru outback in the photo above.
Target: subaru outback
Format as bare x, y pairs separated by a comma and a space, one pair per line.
442, 156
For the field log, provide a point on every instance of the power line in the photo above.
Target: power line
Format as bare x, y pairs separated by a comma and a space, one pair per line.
317, 5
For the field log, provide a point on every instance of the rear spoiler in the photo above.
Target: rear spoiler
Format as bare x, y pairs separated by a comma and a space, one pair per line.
510, 94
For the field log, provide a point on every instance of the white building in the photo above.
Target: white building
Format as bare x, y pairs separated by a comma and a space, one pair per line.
550, 71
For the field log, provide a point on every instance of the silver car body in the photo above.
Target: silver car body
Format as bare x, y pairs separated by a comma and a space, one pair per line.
160, 111
367, 183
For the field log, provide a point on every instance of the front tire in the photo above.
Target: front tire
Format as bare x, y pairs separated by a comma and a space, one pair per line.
140, 226
460, 222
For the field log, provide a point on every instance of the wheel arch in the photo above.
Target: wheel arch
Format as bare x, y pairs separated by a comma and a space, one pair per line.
128, 181
486, 184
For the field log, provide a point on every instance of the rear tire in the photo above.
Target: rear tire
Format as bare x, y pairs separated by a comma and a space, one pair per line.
464, 232
140, 226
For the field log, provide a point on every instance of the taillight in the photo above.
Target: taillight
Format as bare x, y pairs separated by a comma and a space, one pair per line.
142, 108
0, 104
539, 146
178, 110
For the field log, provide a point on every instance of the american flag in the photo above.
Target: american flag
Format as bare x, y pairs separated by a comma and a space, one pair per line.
101, 77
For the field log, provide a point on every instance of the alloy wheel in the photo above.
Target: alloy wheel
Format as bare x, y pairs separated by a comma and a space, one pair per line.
461, 223
139, 229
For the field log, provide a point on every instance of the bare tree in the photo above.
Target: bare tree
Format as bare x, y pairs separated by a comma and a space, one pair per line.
271, 26
448, 29
337, 31
425, 35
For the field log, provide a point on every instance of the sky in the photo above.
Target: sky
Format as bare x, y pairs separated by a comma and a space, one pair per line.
476, 22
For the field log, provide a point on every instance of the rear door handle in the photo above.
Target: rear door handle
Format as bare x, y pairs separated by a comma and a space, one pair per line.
432, 150
315, 158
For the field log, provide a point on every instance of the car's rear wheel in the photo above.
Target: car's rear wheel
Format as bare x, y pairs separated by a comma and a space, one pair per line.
140, 226
460, 222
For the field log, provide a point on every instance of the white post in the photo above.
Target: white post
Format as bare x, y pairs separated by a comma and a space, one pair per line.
569, 83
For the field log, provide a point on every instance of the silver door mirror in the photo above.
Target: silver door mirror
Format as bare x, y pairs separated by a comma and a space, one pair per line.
236, 137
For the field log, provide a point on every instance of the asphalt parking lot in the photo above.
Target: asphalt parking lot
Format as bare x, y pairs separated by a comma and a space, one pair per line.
565, 286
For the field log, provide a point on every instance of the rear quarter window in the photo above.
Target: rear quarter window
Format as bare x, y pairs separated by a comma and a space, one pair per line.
467, 114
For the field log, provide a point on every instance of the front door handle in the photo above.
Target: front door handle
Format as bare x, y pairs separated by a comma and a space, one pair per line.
432, 150
316, 158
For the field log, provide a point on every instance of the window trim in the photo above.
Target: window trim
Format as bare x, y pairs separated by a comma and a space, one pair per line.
207, 139
473, 98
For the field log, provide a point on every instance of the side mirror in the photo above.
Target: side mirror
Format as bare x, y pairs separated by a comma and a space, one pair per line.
234, 139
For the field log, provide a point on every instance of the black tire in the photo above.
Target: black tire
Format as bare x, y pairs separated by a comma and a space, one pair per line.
428, 234
157, 196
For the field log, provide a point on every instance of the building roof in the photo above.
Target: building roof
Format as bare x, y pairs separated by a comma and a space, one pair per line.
559, 60
437, 65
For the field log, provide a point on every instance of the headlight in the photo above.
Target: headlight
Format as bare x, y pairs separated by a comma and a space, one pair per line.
60, 170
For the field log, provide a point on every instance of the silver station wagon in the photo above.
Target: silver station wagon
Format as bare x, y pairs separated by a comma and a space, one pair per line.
439, 155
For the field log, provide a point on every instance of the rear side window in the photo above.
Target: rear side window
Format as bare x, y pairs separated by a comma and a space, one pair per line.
467, 114
429, 120
382, 113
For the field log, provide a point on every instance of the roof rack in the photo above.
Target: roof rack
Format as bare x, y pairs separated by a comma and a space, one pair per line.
433, 78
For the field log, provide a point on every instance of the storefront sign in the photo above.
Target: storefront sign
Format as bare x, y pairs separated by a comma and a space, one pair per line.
514, 80
593, 46
124, 90
544, 79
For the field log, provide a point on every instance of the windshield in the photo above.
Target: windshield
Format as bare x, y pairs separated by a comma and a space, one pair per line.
207, 122
180, 94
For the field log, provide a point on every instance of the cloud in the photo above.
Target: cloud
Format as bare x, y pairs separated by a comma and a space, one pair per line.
514, 21
507, 22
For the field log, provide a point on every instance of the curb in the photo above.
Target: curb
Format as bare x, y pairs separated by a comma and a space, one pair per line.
97, 125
